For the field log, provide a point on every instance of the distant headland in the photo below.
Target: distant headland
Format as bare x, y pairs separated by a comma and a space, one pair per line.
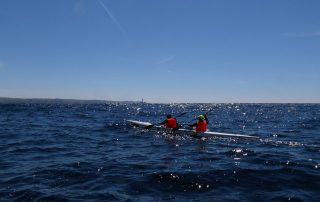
7, 100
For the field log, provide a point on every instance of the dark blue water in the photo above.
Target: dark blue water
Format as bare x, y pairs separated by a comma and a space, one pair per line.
76, 152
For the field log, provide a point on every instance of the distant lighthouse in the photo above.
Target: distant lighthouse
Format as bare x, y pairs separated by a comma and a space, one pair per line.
142, 101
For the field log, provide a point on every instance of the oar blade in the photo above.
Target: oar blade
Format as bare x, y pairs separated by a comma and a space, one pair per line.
181, 114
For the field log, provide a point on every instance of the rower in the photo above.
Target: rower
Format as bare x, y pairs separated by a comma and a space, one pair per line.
171, 122
201, 125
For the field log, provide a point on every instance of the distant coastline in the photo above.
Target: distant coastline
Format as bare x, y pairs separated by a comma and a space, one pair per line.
7, 100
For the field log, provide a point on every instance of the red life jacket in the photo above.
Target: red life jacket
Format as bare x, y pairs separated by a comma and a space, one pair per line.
171, 123
201, 126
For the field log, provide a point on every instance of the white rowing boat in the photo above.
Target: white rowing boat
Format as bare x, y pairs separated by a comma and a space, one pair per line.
149, 125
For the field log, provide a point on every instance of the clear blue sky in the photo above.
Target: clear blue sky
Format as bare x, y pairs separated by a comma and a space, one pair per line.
163, 51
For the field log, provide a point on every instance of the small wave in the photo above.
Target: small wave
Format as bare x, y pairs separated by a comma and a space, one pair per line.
24, 195
265, 179
310, 124
239, 152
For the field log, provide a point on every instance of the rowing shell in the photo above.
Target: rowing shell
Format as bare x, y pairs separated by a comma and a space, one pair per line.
142, 124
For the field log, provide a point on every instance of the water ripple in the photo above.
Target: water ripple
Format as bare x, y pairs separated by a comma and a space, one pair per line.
87, 152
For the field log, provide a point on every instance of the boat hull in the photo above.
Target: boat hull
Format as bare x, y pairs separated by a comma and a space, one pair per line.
184, 131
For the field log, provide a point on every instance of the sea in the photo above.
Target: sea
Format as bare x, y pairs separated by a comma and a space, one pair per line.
89, 152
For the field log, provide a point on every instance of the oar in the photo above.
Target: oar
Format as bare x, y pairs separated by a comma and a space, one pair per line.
183, 113
150, 126
203, 114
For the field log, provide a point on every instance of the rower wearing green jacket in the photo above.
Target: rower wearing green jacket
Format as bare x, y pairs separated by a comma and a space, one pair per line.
201, 124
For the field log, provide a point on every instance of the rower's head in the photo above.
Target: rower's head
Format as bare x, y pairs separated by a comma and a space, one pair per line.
169, 116
201, 118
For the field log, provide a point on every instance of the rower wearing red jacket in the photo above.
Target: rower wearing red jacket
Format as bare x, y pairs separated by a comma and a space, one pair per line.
171, 122
201, 125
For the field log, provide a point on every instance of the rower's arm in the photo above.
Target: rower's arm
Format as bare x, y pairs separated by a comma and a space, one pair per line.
207, 120
163, 122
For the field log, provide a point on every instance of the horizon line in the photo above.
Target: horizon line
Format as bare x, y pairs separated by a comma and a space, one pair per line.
139, 101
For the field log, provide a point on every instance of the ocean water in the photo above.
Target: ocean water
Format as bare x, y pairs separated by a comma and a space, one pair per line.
87, 152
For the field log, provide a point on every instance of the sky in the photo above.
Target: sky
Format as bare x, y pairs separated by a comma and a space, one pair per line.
161, 50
